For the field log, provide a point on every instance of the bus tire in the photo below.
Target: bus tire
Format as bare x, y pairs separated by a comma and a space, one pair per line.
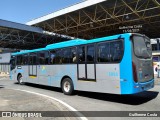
67, 86
20, 79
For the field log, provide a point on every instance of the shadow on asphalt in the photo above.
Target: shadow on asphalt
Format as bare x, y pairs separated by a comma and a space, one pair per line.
135, 99
42, 87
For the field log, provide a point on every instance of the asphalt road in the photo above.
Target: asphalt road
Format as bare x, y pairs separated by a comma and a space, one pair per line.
88, 101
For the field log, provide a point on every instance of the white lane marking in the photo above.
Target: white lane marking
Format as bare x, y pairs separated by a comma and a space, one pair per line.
60, 101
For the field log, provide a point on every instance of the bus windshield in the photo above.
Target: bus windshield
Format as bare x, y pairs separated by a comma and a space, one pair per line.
142, 47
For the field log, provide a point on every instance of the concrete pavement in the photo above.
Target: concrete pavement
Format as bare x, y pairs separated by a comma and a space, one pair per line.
88, 101
157, 80
14, 100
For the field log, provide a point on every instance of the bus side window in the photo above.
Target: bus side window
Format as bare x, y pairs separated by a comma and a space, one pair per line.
52, 56
29, 59
19, 60
81, 54
73, 57
58, 57
90, 53
33, 59
103, 52
66, 53
25, 59
43, 57
116, 51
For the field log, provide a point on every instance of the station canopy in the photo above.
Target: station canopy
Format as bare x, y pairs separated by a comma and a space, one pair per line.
97, 18
20, 36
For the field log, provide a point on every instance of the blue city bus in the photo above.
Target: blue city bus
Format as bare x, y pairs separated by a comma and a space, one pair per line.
118, 64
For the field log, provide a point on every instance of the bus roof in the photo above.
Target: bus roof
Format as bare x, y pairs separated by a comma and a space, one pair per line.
74, 43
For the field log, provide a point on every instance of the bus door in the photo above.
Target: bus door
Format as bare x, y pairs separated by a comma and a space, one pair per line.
42, 71
32, 64
86, 63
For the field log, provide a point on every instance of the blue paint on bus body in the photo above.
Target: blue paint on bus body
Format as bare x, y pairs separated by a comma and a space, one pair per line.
74, 43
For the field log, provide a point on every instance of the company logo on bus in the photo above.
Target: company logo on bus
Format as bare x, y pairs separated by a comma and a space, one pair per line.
113, 74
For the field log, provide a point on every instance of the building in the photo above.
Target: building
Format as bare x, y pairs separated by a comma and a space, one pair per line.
156, 53
5, 63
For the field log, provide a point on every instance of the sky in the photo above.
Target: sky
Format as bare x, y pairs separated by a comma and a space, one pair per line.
22, 11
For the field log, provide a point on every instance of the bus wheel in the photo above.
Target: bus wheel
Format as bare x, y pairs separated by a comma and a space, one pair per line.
67, 86
20, 79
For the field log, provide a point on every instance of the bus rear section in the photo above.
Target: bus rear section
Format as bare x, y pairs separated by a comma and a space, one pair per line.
142, 78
